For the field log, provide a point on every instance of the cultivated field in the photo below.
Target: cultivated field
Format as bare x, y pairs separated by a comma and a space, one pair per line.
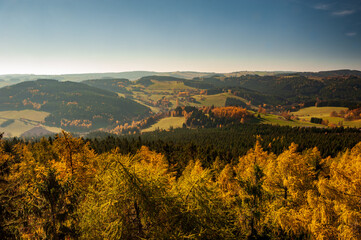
168, 85
278, 120
24, 120
217, 100
154, 109
166, 123
317, 111
31, 115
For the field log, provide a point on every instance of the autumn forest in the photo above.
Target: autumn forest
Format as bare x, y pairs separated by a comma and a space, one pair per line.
166, 119
65, 188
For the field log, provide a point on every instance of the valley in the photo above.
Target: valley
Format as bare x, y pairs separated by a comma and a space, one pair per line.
108, 104
197, 120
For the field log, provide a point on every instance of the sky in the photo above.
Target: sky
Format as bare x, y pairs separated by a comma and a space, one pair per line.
87, 36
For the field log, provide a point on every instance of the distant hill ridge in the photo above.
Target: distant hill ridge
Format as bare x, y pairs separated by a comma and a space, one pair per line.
135, 75
132, 75
333, 73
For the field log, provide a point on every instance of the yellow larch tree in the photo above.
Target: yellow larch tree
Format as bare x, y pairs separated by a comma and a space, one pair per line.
342, 189
290, 178
252, 199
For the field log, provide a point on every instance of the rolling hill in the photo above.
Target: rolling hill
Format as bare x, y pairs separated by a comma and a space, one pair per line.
108, 102
72, 106
332, 88
343, 89
115, 84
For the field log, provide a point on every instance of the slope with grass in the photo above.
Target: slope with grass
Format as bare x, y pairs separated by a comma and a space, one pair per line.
217, 100
115, 84
168, 85
325, 113
317, 111
280, 121
23, 121
166, 123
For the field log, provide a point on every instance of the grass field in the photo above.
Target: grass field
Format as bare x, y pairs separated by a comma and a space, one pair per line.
218, 100
166, 123
154, 109
278, 120
324, 113
317, 111
336, 120
156, 97
3, 84
31, 115
24, 121
356, 123
167, 85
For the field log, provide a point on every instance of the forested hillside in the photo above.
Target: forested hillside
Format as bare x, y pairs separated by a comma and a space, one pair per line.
60, 188
227, 143
332, 88
115, 84
290, 89
73, 106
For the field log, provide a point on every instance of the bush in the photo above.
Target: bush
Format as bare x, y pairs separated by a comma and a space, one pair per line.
316, 120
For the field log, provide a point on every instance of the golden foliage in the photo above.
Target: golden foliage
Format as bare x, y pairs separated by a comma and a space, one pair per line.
63, 184
230, 112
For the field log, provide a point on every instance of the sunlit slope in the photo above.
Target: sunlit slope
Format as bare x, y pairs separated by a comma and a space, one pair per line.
15, 123
166, 123
325, 114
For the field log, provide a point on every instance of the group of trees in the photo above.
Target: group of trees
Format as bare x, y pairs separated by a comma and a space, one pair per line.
41, 185
195, 117
137, 126
210, 117
60, 188
230, 112
228, 143
348, 115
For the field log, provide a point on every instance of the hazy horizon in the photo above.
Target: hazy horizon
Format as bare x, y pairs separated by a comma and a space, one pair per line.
209, 72
72, 37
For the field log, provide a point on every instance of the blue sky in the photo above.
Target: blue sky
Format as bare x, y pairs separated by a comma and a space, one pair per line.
78, 36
